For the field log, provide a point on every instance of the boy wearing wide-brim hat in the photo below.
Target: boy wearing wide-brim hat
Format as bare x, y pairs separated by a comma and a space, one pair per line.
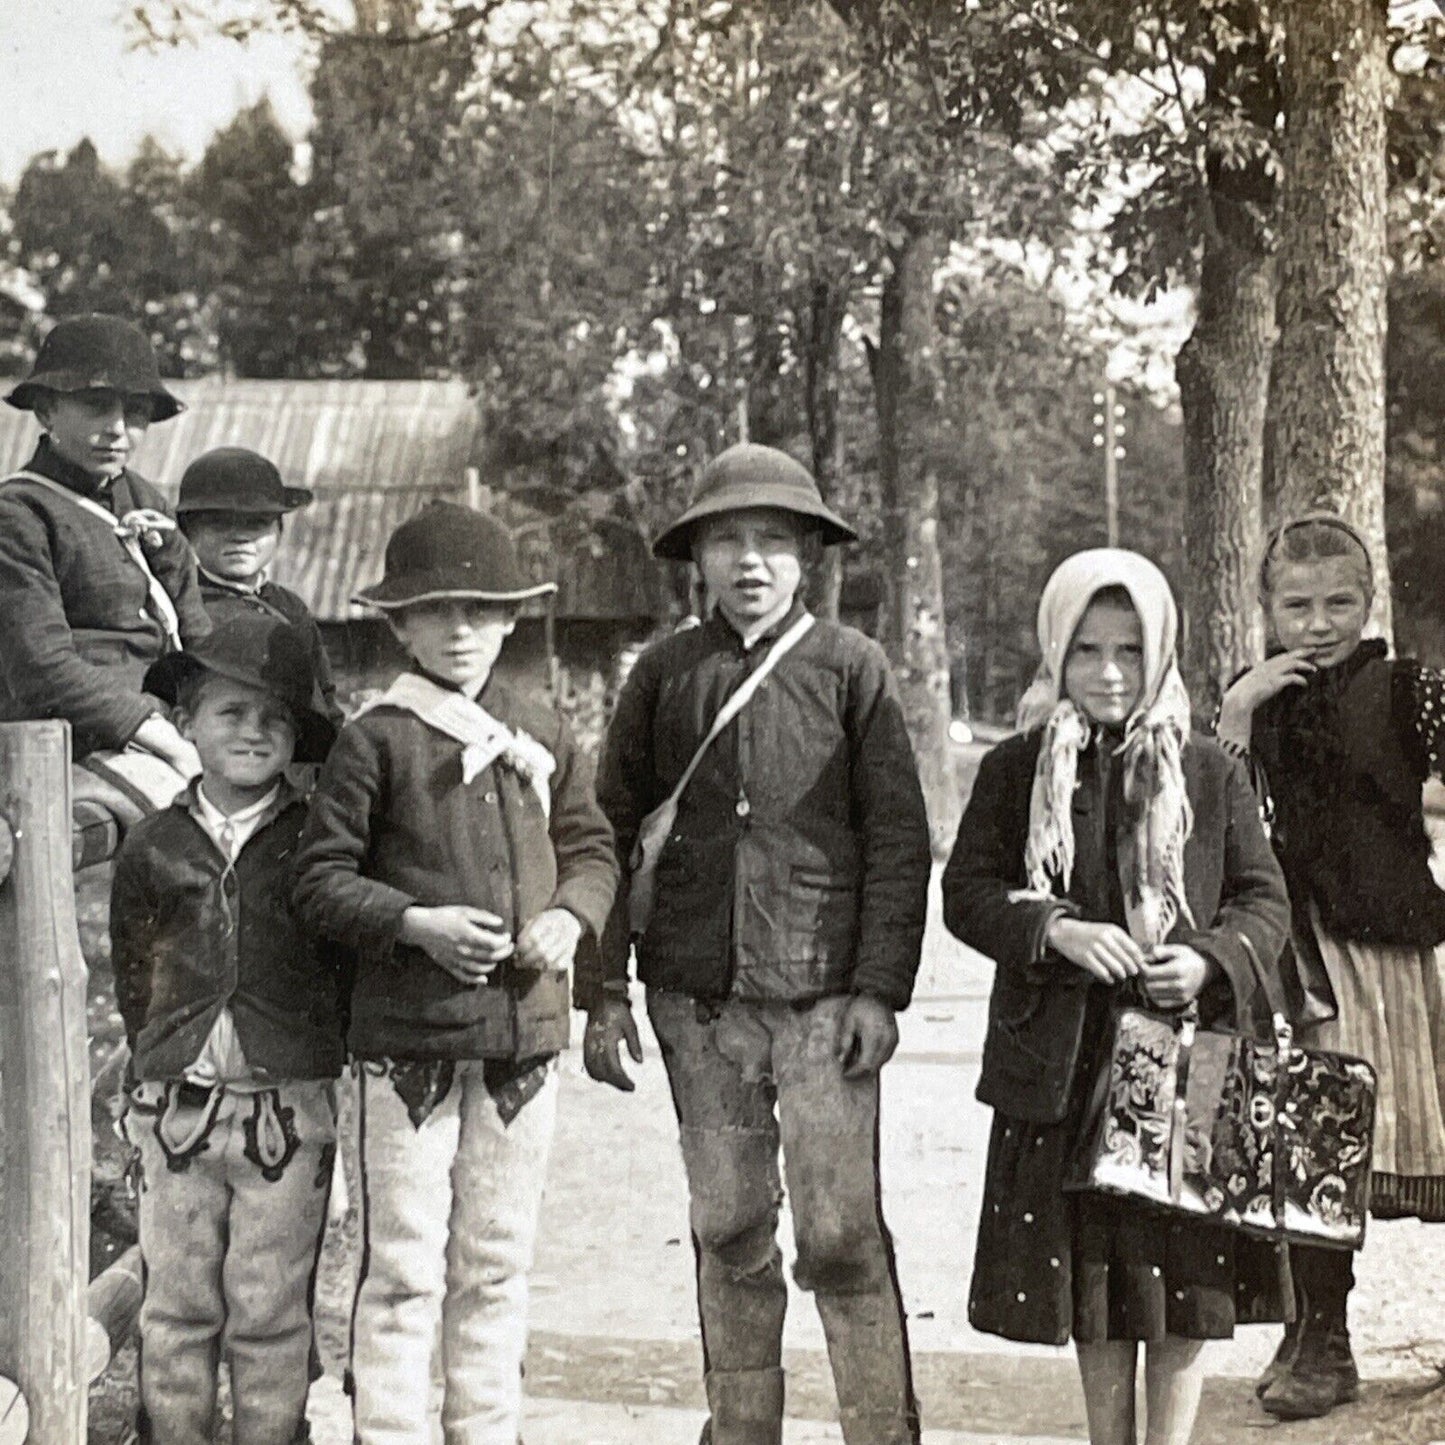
785, 930
231, 505
95, 581
455, 843
233, 1017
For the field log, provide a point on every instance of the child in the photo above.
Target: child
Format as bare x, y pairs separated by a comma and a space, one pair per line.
95, 582
1106, 849
233, 1024
1342, 738
455, 843
230, 507
787, 930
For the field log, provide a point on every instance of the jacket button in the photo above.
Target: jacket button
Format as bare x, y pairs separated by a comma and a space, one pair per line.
489, 797
743, 808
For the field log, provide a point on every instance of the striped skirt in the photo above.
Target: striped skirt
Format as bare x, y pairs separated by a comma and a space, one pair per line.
1392, 1014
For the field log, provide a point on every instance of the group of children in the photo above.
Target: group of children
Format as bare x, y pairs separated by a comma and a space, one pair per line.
757, 836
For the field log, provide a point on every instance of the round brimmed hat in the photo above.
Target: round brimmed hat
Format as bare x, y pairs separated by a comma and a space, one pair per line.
749, 475
89, 353
261, 652
232, 479
451, 551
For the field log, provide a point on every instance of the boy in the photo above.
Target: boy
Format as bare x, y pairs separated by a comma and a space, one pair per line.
786, 930
95, 582
454, 842
233, 1023
230, 507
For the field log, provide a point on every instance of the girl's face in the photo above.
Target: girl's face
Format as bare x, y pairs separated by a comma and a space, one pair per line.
456, 639
1319, 607
1104, 669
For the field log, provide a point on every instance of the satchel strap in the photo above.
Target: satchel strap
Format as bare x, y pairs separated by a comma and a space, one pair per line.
1269, 986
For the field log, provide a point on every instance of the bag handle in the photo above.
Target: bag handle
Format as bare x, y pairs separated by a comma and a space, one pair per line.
1269, 986
740, 699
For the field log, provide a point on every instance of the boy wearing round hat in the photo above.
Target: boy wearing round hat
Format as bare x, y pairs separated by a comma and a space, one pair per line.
456, 845
785, 930
233, 1019
230, 508
95, 581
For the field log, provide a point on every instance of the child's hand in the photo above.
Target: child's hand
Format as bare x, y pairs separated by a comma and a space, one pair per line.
867, 1036
467, 942
1175, 974
549, 941
1256, 687
609, 1026
1102, 949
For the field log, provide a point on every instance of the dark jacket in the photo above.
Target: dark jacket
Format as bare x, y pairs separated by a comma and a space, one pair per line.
271, 599
76, 632
798, 864
189, 938
392, 825
1036, 1010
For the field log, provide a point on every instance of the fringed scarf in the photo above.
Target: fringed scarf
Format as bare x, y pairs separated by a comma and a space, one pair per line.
1156, 818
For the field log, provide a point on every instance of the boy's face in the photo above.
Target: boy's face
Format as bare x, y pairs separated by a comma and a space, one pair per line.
245, 736
751, 562
95, 430
456, 639
234, 546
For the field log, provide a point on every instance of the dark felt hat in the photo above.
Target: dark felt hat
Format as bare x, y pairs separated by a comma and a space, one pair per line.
88, 353
749, 475
260, 652
232, 479
451, 551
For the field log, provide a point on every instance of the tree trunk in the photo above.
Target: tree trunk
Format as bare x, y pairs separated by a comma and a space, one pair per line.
1329, 399
1223, 375
821, 330
908, 385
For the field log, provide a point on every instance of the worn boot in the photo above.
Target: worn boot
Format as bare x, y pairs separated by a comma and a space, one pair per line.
746, 1407
1322, 1372
1283, 1358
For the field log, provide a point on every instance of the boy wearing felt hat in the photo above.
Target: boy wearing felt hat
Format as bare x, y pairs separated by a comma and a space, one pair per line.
233, 1021
230, 507
785, 929
95, 582
455, 844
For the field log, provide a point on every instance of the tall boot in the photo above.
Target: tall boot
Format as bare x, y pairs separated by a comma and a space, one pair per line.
1323, 1372
746, 1407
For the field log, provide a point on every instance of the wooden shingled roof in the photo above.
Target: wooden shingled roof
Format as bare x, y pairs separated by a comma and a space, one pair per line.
374, 453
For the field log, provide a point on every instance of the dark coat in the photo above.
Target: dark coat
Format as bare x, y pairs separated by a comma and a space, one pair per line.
798, 864
76, 632
392, 826
1037, 1007
271, 599
190, 937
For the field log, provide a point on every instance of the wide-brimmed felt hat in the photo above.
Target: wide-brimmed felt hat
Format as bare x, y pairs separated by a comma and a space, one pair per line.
233, 479
95, 352
261, 652
451, 551
749, 475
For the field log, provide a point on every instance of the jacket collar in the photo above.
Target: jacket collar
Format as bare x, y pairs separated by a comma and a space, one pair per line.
238, 589
288, 795
721, 632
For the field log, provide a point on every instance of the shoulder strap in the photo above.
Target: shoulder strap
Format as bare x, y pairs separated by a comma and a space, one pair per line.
740, 699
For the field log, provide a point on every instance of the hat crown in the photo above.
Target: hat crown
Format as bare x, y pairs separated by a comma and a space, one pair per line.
234, 479
760, 476
444, 536
264, 652
115, 350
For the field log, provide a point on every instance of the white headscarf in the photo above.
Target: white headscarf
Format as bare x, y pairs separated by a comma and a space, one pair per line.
1157, 814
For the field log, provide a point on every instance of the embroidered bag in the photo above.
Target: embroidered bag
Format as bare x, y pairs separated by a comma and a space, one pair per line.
656, 827
1262, 1136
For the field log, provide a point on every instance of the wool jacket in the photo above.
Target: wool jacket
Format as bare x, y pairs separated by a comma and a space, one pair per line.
271, 599
76, 630
191, 936
1036, 1010
393, 825
798, 863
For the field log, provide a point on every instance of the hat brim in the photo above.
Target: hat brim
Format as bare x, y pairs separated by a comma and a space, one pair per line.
675, 543
166, 678
292, 499
391, 593
24, 396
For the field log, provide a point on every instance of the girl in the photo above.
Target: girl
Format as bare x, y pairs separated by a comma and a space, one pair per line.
1105, 854
1341, 739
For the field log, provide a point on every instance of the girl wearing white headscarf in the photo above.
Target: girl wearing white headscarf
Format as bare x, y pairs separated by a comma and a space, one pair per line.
1107, 854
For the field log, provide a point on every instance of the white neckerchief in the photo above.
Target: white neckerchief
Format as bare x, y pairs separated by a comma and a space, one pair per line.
484, 738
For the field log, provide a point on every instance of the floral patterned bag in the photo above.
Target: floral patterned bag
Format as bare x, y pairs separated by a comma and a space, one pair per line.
1266, 1137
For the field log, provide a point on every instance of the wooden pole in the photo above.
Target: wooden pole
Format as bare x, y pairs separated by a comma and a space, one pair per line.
45, 1234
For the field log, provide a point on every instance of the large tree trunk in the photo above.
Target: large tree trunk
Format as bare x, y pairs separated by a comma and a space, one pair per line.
908, 384
821, 330
1329, 394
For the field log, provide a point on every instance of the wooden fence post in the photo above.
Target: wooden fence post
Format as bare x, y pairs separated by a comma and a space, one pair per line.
45, 1233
